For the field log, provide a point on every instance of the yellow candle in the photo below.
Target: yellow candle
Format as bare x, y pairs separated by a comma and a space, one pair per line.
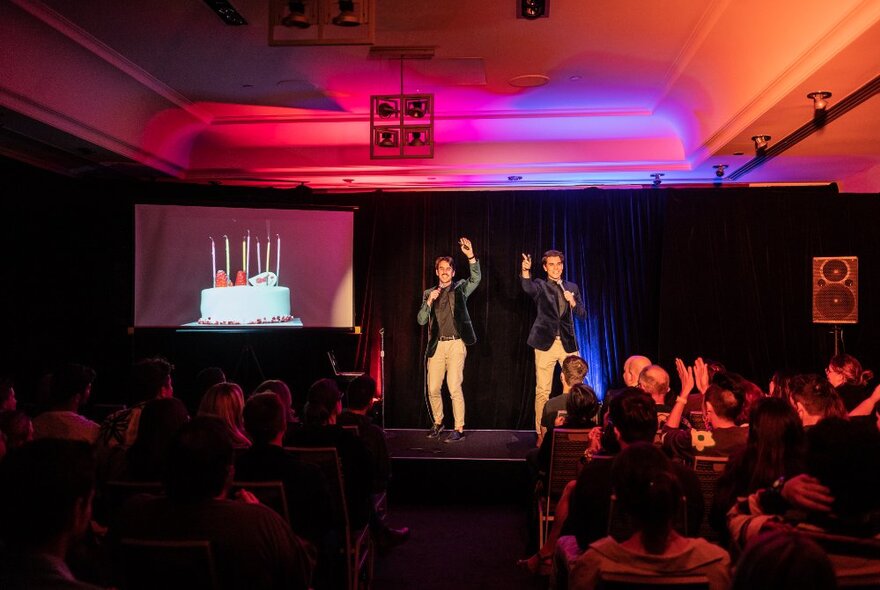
243, 256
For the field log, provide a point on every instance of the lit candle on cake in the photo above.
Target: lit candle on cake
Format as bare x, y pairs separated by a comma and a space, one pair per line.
213, 261
243, 253
226, 238
247, 264
258, 256
278, 258
268, 248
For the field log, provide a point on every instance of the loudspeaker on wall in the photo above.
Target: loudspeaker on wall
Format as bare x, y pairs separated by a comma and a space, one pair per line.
836, 290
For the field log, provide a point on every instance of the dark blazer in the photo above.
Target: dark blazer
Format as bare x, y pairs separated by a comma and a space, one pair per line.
462, 290
548, 320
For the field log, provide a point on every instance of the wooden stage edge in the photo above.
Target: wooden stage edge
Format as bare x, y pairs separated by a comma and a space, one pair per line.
477, 445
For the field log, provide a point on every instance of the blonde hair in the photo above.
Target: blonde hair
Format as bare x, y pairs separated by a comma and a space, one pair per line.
226, 401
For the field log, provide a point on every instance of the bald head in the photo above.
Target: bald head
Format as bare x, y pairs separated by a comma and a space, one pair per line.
632, 368
654, 380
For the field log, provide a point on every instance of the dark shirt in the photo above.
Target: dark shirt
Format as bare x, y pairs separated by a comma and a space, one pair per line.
357, 467
252, 546
304, 485
374, 439
685, 443
591, 502
444, 307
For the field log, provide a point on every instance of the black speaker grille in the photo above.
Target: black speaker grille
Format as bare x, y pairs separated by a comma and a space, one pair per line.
835, 290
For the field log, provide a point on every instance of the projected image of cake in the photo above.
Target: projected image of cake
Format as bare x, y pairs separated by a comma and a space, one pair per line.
255, 300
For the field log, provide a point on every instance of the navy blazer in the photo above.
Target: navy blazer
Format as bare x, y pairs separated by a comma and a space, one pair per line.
548, 321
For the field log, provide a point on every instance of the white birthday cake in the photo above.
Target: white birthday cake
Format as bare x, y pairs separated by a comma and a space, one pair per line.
245, 305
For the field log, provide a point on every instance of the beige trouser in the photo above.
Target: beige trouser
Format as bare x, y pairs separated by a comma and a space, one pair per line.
448, 359
544, 365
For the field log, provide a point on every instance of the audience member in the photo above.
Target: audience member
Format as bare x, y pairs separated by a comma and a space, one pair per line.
70, 389
722, 436
46, 491
206, 378
253, 547
649, 492
304, 484
632, 368
574, 371
846, 375
783, 559
226, 401
17, 427
774, 449
150, 379
7, 395
360, 395
815, 398
159, 423
321, 430
280, 388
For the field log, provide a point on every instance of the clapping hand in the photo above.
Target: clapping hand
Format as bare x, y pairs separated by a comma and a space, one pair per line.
701, 374
686, 376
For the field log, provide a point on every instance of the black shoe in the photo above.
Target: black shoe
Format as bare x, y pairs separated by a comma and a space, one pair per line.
435, 431
456, 436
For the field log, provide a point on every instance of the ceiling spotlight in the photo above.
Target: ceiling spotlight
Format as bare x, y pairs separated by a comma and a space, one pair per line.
414, 139
532, 9
820, 99
387, 139
386, 109
656, 176
346, 16
719, 169
296, 16
760, 144
415, 108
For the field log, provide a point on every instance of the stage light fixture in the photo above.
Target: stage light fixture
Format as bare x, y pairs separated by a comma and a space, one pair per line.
346, 16
532, 9
719, 169
296, 17
387, 109
387, 139
656, 176
820, 99
414, 139
760, 144
415, 108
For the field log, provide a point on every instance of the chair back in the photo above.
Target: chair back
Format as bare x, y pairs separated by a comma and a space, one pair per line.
567, 448
359, 553
353, 428
858, 551
150, 564
270, 493
708, 470
614, 581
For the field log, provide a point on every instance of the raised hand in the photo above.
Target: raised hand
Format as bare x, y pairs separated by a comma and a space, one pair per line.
466, 247
685, 375
526, 262
701, 374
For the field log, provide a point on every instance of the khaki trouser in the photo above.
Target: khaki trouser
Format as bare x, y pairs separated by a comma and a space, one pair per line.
448, 359
544, 365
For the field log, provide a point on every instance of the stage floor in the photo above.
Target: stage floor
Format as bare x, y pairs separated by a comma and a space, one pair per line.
478, 445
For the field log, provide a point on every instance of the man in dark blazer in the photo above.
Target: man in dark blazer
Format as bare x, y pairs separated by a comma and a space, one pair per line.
444, 309
552, 333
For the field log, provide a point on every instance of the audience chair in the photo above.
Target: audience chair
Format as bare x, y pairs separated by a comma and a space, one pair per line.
611, 581
568, 446
151, 564
857, 550
359, 553
270, 493
708, 470
380, 499
697, 420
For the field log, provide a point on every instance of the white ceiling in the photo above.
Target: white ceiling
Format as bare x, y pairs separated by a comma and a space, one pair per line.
165, 88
